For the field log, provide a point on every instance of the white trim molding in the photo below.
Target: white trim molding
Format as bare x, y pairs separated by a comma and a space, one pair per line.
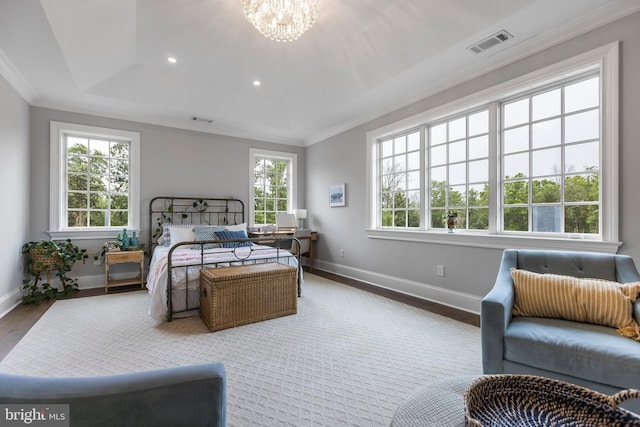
496, 241
10, 301
458, 300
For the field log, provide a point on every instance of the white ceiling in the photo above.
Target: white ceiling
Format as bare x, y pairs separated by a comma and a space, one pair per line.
362, 58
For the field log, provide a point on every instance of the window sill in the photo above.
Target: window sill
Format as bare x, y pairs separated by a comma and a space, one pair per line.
471, 239
87, 234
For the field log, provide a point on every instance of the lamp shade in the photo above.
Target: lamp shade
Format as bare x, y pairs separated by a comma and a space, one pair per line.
300, 213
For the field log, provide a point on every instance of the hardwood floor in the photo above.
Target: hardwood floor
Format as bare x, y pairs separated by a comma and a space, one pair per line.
17, 323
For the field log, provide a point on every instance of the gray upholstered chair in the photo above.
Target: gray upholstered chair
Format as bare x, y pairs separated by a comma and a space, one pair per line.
589, 355
179, 396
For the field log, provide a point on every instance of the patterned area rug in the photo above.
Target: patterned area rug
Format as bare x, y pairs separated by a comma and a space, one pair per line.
347, 358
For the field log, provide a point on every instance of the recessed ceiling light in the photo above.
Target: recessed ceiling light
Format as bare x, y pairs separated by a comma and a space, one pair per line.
256, 83
172, 59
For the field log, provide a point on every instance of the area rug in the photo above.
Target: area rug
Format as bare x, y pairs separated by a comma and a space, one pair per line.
347, 358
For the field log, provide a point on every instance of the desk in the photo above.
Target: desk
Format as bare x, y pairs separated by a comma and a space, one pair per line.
313, 238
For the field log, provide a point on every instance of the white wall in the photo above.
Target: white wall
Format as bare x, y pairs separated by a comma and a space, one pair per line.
173, 162
410, 267
14, 192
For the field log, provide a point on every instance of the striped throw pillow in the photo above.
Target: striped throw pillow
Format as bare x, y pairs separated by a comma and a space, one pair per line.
595, 301
232, 235
204, 233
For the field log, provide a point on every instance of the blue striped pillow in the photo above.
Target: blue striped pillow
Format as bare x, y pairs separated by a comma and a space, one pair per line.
232, 235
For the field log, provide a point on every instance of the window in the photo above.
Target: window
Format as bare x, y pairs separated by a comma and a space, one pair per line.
94, 181
551, 160
400, 180
459, 171
273, 175
534, 157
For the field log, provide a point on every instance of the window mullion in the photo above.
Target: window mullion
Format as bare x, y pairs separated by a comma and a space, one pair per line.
424, 187
496, 182
380, 184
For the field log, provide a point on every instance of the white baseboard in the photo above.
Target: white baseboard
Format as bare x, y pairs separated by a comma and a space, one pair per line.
459, 300
10, 301
90, 282
94, 281
97, 280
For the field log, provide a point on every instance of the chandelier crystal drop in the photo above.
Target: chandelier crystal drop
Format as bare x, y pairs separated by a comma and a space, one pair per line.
281, 20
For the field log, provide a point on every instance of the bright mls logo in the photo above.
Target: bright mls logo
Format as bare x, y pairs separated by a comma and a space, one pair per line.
34, 415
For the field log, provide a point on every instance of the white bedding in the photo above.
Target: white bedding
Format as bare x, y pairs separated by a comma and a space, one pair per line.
157, 277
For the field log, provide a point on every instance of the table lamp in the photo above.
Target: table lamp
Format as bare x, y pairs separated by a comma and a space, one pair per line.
301, 215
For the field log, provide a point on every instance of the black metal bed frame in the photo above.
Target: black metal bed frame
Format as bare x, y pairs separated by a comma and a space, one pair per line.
208, 211
192, 210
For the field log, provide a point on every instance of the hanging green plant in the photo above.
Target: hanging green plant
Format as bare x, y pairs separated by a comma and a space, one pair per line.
46, 256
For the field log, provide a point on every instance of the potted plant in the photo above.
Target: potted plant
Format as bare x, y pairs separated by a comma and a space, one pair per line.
46, 256
452, 220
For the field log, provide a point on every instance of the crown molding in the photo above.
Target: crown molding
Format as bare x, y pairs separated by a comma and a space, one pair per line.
16, 80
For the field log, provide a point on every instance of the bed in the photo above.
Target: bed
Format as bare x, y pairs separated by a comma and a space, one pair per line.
192, 233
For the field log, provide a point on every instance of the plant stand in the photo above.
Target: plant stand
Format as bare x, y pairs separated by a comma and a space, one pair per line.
44, 261
47, 256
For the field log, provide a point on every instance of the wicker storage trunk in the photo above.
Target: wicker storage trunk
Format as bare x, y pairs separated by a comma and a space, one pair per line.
234, 296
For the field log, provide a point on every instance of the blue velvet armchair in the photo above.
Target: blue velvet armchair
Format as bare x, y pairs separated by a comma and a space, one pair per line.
179, 396
589, 355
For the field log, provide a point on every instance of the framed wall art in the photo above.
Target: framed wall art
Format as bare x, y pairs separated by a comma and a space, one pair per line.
337, 195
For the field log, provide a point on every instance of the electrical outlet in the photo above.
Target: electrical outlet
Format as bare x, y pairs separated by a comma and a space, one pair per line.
342, 253
440, 270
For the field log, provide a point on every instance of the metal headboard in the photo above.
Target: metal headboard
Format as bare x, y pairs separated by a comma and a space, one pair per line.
192, 210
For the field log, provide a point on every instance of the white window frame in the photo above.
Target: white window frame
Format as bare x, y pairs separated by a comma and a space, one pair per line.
292, 192
606, 60
58, 228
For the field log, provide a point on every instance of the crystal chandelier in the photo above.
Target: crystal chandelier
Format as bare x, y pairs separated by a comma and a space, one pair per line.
281, 20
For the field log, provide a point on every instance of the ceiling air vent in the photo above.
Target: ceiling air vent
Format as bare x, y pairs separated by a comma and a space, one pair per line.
497, 38
201, 119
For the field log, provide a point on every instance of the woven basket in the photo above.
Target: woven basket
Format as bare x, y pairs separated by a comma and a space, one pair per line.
44, 260
529, 400
243, 294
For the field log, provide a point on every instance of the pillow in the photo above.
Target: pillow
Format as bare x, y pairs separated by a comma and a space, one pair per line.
237, 227
207, 232
597, 301
632, 331
166, 232
181, 234
232, 235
